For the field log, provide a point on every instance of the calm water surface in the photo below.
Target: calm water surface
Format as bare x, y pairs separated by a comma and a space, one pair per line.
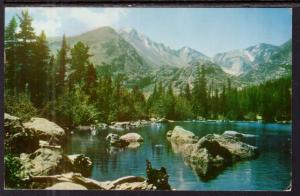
271, 171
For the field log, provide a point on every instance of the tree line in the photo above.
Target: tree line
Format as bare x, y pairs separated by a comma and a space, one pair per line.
67, 88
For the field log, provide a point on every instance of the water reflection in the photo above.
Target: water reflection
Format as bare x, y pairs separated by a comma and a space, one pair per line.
274, 140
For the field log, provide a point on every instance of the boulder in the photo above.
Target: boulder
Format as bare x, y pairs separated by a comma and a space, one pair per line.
16, 137
132, 137
45, 130
181, 136
130, 140
74, 181
212, 153
238, 150
81, 164
114, 140
237, 134
44, 161
66, 186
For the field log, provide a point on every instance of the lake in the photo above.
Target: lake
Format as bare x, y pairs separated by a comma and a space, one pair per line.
271, 171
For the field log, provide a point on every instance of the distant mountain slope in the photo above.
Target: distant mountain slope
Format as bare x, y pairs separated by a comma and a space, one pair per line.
158, 54
145, 62
107, 46
278, 65
237, 62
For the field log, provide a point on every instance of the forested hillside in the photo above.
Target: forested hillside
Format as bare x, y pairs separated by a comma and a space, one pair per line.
67, 86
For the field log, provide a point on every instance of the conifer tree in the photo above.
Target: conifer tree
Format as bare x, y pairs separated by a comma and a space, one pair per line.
62, 61
39, 69
26, 42
10, 54
79, 62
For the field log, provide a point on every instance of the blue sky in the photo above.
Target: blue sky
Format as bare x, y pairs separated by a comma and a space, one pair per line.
209, 30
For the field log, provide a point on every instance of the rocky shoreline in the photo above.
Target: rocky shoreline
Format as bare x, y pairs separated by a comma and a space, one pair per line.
37, 145
45, 166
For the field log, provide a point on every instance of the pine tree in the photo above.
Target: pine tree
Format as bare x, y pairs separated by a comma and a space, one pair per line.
91, 82
200, 94
26, 42
10, 54
62, 61
79, 62
38, 71
187, 92
169, 103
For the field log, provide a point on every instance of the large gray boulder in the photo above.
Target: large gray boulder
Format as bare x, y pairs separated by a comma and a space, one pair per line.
181, 136
132, 137
17, 139
43, 161
210, 154
45, 130
130, 140
114, 140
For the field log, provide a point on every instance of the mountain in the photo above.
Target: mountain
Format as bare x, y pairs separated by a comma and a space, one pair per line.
108, 47
237, 62
158, 54
145, 62
277, 65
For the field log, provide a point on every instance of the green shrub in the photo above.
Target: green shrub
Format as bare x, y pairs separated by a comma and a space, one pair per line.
19, 105
13, 170
74, 109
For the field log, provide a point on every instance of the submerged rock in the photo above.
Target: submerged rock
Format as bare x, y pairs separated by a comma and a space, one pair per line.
212, 153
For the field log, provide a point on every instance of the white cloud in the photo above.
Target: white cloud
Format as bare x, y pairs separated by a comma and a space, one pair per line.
93, 19
49, 20
53, 19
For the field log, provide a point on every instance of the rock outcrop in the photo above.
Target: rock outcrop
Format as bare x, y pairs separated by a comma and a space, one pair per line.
75, 181
114, 140
44, 129
43, 161
81, 164
130, 140
212, 153
16, 137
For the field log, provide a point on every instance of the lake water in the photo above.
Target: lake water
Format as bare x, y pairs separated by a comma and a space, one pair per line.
271, 171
